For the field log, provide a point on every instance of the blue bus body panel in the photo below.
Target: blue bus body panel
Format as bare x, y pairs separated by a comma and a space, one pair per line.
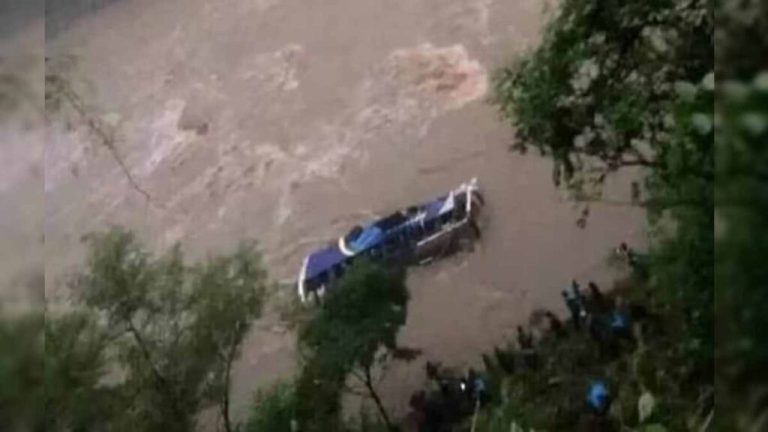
402, 229
370, 237
322, 260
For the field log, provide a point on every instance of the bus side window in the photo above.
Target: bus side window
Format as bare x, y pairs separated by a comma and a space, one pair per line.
429, 227
415, 232
310, 284
322, 278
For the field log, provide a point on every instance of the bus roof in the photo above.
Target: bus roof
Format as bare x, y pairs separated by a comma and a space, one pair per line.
320, 261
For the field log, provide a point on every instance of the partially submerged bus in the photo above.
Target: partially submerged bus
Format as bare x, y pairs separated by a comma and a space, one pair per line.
414, 235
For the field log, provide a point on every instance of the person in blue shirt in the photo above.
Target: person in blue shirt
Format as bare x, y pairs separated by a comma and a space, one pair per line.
599, 398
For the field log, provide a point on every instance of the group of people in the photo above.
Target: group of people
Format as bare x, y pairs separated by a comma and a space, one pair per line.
447, 400
608, 321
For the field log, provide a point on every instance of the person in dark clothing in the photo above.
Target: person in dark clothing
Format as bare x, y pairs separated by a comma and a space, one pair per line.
417, 416
580, 298
435, 414
476, 387
524, 339
620, 325
572, 303
620, 321
628, 254
505, 360
575, 288
598, 328
597, 301
555, 325
432, 370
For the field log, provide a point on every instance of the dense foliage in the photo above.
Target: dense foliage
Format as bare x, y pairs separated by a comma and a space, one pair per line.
75, 362
274, 410
741, 225
597, 93
346, 343
631, 83
153, 341
21, 372
652, 388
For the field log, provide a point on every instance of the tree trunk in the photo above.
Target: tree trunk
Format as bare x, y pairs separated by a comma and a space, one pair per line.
377, 400
224, 407
160, 382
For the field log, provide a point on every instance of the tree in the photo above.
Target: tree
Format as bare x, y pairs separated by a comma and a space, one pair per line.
76, 397
742, 244
21, 373
630, 83
619, 84
62, 97
741, 235
175, 328
273, 410
595, 96
355, 330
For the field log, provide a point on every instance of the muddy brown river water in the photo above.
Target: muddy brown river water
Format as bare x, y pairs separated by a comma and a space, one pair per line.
290, 120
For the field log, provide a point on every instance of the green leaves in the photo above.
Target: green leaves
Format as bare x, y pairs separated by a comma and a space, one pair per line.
631, 83
76, 363
174, 331
686, 91
624, 63
653, 428
359, 318
645, 406
742, 244
21, 372
273, 410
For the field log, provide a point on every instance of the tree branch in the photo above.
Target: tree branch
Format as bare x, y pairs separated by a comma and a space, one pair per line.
106, 140
357, 375
161, 383
647, 203
638, 162
356, 392
376, 399
224, 403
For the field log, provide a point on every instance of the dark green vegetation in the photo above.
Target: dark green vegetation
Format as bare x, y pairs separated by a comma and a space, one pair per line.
21, 372
150, 343
614, 85
596, 96
741, 235
620, 84
656, 386
346, 344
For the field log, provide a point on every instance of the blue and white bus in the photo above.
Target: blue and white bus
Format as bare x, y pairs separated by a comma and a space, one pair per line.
413, 235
